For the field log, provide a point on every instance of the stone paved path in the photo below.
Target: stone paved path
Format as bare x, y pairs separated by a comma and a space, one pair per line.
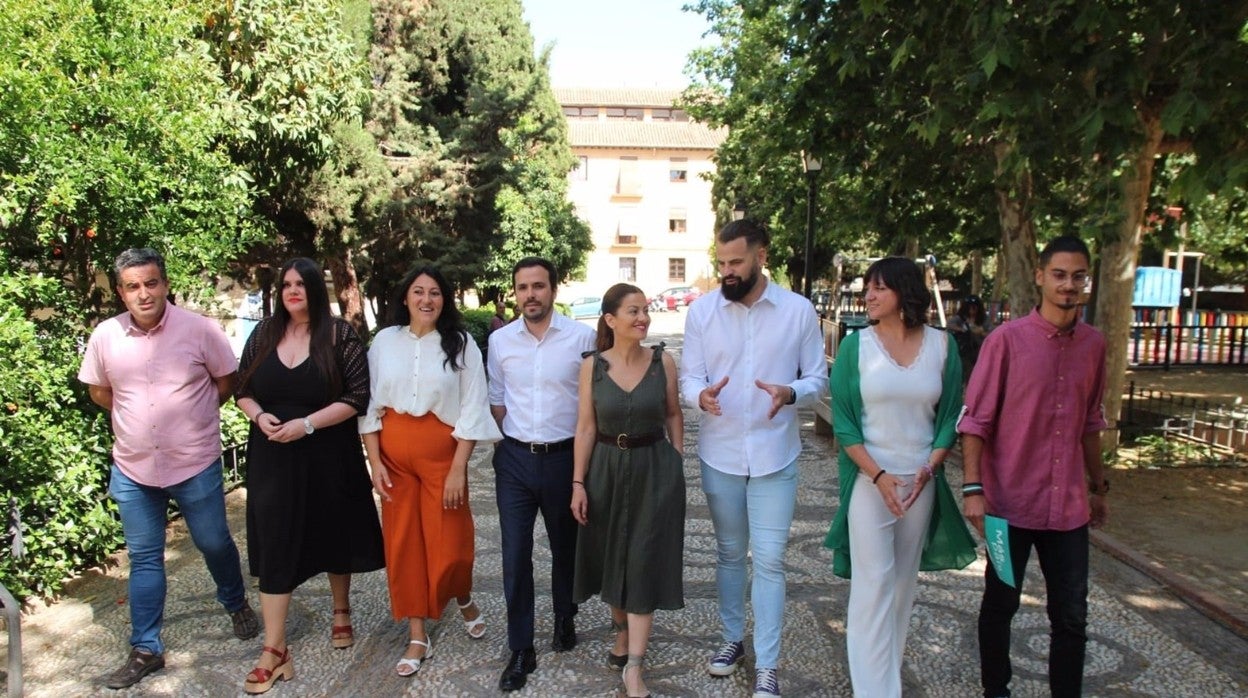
1144, 642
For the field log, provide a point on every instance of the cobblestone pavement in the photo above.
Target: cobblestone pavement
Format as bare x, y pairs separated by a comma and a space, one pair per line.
1143, 641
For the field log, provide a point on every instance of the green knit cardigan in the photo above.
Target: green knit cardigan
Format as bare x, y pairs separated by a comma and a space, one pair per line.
949, 543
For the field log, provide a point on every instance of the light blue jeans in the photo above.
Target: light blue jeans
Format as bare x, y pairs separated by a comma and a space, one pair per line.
752, 514
144, 515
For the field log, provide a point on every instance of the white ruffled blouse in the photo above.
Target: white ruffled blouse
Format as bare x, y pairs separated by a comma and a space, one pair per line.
406, 373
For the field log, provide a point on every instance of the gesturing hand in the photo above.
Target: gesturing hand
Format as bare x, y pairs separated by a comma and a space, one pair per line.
708, 399
779, 394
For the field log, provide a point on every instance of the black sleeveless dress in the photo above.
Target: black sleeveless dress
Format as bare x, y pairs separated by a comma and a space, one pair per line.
310, 502
631, 552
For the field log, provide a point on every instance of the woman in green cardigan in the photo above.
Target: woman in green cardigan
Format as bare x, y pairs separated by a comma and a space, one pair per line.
896, 392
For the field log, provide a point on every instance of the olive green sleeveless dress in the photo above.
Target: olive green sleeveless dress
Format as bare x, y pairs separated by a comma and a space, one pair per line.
631, 552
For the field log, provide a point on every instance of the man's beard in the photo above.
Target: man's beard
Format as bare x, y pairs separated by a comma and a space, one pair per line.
741, 289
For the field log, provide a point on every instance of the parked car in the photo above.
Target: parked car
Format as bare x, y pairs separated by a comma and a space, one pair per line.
586, 307
673, 298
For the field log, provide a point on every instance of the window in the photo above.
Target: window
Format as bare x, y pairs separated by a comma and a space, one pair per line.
676, 270
677, 221
634, 114
660, 114
678, 170
629, 181
628, 269
679, 115
615, 113
580, 173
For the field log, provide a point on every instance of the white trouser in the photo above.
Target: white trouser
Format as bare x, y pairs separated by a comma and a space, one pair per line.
884, 552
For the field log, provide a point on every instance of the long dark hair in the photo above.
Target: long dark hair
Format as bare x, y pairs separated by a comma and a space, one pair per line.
611, 301
450, 322
320, 324
905, 278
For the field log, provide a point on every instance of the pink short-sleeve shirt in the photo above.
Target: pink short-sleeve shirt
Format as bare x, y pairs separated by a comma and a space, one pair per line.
166, 410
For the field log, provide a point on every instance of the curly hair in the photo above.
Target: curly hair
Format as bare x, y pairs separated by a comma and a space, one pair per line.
905, 278
450, 322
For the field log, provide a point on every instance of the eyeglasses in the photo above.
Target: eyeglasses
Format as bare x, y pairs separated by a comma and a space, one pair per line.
1078, 279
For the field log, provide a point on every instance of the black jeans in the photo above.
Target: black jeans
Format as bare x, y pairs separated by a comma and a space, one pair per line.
526, 483
1063, 559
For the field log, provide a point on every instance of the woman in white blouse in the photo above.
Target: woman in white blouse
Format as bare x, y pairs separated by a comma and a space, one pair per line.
427, 410
896, 387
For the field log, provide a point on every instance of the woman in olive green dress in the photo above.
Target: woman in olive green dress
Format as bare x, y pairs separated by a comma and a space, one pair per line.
628, 487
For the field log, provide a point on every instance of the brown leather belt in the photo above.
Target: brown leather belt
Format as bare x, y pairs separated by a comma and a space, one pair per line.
627, 441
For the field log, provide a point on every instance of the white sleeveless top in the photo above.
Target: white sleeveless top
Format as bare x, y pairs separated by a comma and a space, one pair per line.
899, 404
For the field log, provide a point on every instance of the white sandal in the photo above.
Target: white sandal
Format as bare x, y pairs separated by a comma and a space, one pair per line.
476, 626
408, 667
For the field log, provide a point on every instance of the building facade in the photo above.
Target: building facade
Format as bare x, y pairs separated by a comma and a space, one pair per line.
642, 186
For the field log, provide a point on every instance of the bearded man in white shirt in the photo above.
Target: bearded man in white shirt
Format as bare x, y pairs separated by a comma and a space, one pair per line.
534, 366
753, 353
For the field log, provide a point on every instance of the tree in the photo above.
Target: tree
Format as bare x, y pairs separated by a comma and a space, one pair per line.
110, 139
465, 113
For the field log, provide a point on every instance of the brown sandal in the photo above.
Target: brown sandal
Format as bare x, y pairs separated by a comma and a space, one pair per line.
342, 636
261, 680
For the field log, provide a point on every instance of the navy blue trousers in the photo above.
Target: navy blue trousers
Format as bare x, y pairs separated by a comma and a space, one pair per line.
526, 483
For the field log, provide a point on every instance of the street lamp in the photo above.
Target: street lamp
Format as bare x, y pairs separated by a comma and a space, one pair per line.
811, 165
738, 211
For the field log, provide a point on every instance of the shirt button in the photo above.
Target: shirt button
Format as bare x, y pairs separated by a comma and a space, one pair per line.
1059, 406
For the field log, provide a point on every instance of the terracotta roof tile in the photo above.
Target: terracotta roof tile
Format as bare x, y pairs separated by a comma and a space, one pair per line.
644, 134
616, 96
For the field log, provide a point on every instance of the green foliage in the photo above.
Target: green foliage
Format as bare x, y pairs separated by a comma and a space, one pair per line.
110, 139
54, 444
466, 114
477, 322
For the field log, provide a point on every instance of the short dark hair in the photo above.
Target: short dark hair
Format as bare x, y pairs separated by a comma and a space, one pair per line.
542, 262
1064, 243
754, 233
905, 278
139, 257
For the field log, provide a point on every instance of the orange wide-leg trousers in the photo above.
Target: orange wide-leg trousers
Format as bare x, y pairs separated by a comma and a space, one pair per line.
429, 549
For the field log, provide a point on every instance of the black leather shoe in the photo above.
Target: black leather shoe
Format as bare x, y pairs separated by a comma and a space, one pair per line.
140, 663
519, 667
565, 634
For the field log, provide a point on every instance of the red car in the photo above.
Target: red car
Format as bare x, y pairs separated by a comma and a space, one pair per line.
673, 298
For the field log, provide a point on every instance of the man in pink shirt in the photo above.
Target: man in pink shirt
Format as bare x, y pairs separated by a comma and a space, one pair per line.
164, 373
1030, 430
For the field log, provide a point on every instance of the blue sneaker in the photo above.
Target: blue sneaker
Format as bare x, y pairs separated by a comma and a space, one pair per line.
766, 683
726, 659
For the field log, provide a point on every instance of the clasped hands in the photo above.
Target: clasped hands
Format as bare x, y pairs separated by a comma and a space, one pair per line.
888, 484
279, 431
708, 399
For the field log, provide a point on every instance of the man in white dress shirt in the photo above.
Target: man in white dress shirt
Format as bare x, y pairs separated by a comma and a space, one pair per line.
752, 354
534, 365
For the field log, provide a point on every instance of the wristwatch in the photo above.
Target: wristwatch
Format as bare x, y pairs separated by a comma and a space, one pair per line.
792, 397
307, 426
1100, 491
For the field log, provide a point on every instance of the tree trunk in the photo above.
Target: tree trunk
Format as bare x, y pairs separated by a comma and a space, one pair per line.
347, 289
977, 273
1018, 238
1116, 279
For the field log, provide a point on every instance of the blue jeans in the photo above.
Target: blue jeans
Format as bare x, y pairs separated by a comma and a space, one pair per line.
144, 515
752, 514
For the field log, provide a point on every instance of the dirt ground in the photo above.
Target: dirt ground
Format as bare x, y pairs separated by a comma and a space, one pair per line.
1192, 520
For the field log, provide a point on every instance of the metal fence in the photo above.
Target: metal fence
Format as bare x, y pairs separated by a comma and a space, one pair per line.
1173, 345
1160, 429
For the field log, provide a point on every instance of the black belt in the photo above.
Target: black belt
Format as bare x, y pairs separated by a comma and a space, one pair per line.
552, 447
627, 441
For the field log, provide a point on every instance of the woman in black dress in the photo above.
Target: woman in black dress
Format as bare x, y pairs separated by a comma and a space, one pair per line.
304, 378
